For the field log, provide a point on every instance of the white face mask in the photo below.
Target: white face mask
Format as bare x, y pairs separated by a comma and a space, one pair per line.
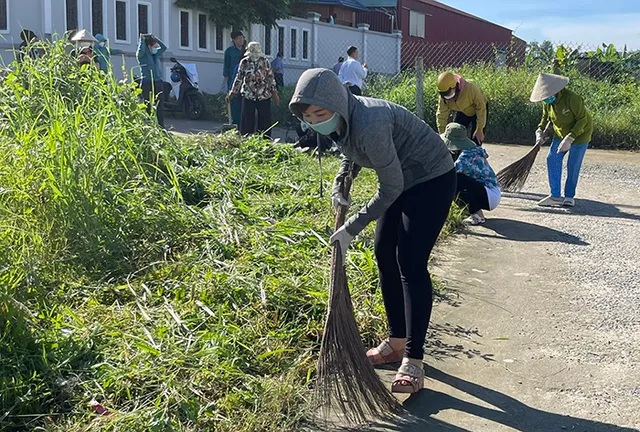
451, 96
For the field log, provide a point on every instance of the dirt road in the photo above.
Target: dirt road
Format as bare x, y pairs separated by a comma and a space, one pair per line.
541, 328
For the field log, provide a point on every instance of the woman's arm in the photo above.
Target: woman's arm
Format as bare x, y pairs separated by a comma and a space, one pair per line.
381, 151
442, 115
576, 104
545, 117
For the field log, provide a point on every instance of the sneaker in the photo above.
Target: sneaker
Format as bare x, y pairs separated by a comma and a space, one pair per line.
475, 219
551, 201
569, 202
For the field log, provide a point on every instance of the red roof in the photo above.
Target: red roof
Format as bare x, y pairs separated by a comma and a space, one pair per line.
443, 6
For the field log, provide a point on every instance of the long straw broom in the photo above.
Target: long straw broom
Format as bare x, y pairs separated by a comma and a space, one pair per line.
513, 177
347, 382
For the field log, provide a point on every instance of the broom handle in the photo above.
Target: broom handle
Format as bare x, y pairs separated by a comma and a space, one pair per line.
341, 216
345, 188
548, 131
229, 113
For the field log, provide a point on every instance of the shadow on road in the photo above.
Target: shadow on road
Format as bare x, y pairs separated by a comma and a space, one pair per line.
505, 410
583, 207
515, 230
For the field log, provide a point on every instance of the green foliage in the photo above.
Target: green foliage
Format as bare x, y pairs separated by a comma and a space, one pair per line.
512, 118
180, 283
237, 14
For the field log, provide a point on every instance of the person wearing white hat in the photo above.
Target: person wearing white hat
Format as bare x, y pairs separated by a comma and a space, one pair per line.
573, 127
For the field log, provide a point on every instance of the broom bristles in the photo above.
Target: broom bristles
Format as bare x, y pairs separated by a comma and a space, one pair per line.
347, 382
513, 177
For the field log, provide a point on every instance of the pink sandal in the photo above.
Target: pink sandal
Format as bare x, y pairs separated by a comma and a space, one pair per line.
409, 379
384, 354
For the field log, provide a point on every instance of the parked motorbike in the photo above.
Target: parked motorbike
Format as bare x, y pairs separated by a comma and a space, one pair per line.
188, 99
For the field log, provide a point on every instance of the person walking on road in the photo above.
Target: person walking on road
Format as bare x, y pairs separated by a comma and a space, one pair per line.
352, 73
277, 65
232, 57
573, 127
478, 187
468, 102
256, 84
103, 53
417, 185
150, 49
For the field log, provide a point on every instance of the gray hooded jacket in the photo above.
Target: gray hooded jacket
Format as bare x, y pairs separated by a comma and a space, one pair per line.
402, 149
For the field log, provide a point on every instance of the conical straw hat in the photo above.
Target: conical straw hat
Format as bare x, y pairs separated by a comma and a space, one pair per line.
547, 85
83, 36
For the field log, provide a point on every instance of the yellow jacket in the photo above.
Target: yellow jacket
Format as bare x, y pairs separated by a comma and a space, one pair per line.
471, 101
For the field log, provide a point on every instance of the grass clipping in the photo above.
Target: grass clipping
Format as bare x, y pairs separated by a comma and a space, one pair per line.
347, 382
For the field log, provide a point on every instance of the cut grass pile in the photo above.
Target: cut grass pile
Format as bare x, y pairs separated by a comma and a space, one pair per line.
182, 284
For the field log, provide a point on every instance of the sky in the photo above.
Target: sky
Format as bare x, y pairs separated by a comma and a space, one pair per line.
586, 22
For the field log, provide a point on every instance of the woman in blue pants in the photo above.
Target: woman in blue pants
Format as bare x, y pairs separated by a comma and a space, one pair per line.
573, 127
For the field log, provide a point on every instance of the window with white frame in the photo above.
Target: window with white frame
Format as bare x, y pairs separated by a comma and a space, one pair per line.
416, 24
97, 17
267, 40
219, 39
203, 32
144, 18
281, 40
305, 44
71, 14
122, 21
294, 43
4, 16
185, 29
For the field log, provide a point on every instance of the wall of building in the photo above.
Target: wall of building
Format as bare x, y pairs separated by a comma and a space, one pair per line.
445, 24
324, 42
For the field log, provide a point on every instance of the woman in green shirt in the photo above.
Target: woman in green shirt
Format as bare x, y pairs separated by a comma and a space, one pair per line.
573, 127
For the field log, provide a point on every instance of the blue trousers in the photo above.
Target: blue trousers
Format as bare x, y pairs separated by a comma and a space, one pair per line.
554, 168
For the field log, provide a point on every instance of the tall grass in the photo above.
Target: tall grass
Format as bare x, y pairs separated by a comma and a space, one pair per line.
179, 283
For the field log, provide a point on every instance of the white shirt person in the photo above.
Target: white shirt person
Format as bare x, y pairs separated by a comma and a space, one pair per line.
352, 73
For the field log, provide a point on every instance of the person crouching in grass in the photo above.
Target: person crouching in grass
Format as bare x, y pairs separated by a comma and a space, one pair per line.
477, 182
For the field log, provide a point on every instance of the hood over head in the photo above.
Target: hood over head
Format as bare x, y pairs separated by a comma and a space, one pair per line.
323, 88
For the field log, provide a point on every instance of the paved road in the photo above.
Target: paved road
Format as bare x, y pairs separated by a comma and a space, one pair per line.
541, 329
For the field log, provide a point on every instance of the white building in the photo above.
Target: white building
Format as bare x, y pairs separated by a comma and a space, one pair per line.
191, 37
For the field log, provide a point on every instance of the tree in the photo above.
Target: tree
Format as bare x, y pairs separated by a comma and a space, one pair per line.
239, 13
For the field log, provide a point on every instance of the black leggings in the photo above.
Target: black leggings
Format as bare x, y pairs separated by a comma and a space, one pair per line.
466, 121
405, 236
472, 194
248, 121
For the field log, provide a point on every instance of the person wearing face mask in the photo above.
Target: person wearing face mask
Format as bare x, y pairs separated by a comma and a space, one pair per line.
150, 49
417, 183
573, 127
103, 53
256, 83
467, 100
